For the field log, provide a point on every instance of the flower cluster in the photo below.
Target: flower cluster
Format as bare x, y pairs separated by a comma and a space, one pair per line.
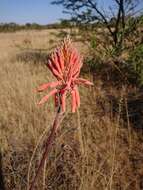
65, 64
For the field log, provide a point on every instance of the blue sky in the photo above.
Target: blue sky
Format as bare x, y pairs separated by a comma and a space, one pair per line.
23, 11
39, 11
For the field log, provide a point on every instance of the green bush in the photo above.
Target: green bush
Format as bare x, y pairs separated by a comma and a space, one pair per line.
118, 70
135, 62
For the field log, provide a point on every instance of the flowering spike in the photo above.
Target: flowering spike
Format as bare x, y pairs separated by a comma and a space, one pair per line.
65, 64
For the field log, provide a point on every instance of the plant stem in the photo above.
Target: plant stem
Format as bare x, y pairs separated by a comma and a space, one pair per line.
49, 141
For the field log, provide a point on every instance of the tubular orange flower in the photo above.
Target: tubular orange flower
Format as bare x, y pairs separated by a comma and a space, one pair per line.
65, 64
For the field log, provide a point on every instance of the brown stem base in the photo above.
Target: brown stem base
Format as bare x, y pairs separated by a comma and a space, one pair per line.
49, 141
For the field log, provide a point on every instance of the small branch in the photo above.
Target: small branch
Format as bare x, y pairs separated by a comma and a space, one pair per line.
102, 16
117, 23
49, 141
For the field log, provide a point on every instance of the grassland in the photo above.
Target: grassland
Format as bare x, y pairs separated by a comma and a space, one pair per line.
94, 149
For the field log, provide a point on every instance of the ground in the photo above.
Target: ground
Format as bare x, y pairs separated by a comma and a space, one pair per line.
94, 148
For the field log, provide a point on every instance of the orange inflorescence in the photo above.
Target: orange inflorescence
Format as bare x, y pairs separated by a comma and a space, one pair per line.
65, 64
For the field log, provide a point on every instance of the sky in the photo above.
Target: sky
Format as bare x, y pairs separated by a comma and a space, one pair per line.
23, 11
39, 11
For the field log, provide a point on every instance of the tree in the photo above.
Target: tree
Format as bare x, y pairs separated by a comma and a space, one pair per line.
88, 11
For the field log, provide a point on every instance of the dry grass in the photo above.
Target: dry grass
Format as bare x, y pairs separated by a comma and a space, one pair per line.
93, 150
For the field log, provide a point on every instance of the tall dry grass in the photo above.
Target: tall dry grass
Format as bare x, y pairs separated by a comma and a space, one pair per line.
94, 149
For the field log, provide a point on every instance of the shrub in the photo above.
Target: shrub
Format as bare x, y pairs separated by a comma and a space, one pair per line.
135, 62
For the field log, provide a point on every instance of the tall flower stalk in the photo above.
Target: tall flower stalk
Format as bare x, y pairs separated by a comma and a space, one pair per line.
65, 64
48, 145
